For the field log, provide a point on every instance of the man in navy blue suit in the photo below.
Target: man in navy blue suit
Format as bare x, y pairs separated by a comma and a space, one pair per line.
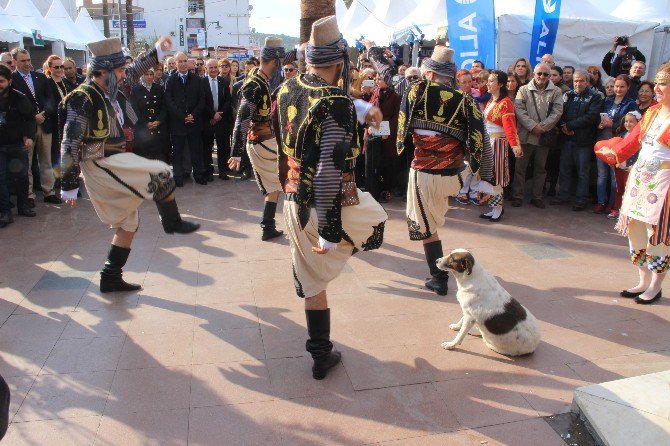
218, 121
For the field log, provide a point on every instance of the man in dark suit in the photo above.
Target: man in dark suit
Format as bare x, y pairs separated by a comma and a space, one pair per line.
218, 123
185, 100
35, 86
70, 70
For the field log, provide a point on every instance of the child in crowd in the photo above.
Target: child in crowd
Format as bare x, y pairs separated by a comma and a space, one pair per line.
483, 95
468, 193
629, 122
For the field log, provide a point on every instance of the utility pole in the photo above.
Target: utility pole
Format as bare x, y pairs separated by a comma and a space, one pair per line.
105, 18
131, 26
120, 22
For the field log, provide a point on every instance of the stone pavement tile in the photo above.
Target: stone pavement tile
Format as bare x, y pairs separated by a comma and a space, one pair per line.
235, 425
183, 274
66, 396
84, 355
7, 307
96, 324
26, 341
151, 319
549, 391
176, 298
157, 350
521, 433
19, 386
67, 431
218, 294
284, 332
365, 417
484, 400
230, 383
412, 364
145, 428
46, 301
610, 369
93, 300
142, 390
213, 345
292, 378
225, 316
379, 303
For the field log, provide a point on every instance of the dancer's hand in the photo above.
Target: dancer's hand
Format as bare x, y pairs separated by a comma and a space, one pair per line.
319, 250
234, 164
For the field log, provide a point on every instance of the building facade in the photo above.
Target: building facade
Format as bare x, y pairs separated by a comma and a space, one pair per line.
223, 24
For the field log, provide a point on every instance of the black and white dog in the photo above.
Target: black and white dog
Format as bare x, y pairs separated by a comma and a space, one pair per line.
507, 327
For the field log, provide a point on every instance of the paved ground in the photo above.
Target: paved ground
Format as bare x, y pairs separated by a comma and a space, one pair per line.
211, 351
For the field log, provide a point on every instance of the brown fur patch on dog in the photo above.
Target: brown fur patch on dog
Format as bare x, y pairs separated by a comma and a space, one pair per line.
461, 261
506, 321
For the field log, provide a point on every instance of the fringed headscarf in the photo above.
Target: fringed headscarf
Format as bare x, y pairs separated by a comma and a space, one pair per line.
109, 63
330, 54
277, 54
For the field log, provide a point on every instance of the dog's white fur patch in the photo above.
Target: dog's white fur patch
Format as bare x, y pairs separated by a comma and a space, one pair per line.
483, 299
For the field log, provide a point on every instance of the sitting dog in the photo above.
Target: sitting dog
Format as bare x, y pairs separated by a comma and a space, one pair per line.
506, 326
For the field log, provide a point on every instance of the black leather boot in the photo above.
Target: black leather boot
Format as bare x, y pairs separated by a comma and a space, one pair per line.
439, 279
318, 344
268, 224
111, 276
171, 219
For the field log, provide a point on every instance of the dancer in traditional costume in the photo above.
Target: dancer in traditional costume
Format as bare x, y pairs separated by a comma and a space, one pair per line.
327, 218
645, 211
94, 145
253, 129
501, 127
449, 136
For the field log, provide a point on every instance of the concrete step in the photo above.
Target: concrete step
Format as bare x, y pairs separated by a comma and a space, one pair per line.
627, 411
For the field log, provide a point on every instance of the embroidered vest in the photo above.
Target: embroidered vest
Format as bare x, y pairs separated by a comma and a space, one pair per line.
99, 117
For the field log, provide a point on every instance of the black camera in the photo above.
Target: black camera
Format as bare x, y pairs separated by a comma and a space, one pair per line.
622, 40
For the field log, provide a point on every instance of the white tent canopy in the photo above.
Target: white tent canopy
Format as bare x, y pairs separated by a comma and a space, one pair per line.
340, 10
58, 17
87, 27
357, 13
26, 18
384, 19
6, 27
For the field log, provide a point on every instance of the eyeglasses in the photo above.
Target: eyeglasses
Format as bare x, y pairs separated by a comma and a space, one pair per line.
225, 65
412, 78
58, 67
289, 70
542, 73
199, 64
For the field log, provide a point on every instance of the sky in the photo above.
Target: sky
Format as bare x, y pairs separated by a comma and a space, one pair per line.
276, 16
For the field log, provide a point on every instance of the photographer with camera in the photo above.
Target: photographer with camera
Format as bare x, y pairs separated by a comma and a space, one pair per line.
622, 62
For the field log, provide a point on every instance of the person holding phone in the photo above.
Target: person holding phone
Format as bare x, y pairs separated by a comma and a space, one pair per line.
615, 63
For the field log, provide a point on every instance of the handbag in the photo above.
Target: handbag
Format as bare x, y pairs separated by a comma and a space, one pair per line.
349, 191
550, 137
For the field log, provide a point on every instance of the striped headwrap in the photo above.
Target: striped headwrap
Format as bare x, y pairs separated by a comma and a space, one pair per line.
276, 53
331, 54
446, 69
108, 62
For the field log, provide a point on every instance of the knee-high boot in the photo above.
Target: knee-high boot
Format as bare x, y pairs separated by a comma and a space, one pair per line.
111, 276
318, 344
171, 220
268, 224
439, 278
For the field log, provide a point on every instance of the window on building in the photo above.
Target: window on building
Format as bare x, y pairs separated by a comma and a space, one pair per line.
195, 6
195, 23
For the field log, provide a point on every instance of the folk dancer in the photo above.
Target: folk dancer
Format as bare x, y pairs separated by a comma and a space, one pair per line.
117, 181
327, 218
253, 130
449, 136
645, 211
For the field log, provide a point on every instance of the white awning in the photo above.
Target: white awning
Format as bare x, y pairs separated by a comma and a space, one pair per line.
87, 27
25, 18
59, 19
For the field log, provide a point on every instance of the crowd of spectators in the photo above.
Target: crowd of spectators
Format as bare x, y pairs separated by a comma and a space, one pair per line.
184, 110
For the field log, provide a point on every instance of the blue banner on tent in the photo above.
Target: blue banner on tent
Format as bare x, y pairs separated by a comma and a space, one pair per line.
472, 33
545, 29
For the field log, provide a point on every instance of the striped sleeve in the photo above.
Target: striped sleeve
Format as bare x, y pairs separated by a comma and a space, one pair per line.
382, 65
73, 134
242, 124
328, 181
137, 69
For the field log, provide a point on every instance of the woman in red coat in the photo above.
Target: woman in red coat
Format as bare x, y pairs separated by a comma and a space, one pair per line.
500, 123
645, 212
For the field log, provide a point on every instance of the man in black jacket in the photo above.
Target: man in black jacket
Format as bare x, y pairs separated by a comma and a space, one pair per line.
185, 100
579, 128
615, 63
17, 133
218, 121
35, 86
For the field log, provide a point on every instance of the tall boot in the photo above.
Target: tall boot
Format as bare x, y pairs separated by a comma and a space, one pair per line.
111, 276
171, 219
268, 224
318, 344
439, 279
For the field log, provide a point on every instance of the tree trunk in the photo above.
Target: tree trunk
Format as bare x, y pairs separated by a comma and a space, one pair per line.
310, 12
130, 26
105, 18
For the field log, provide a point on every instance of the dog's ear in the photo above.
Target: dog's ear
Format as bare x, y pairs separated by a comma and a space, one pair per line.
467, 263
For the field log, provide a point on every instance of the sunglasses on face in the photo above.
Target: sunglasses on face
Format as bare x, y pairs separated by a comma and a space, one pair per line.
58, 67
199, 64
542, 73
413, 78
225, 65
289, 70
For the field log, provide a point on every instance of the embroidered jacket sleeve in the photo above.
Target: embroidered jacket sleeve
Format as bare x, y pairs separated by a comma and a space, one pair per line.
248, 105
137, 69
508, 122
328, 180
382, 65
477, 141
76, 123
